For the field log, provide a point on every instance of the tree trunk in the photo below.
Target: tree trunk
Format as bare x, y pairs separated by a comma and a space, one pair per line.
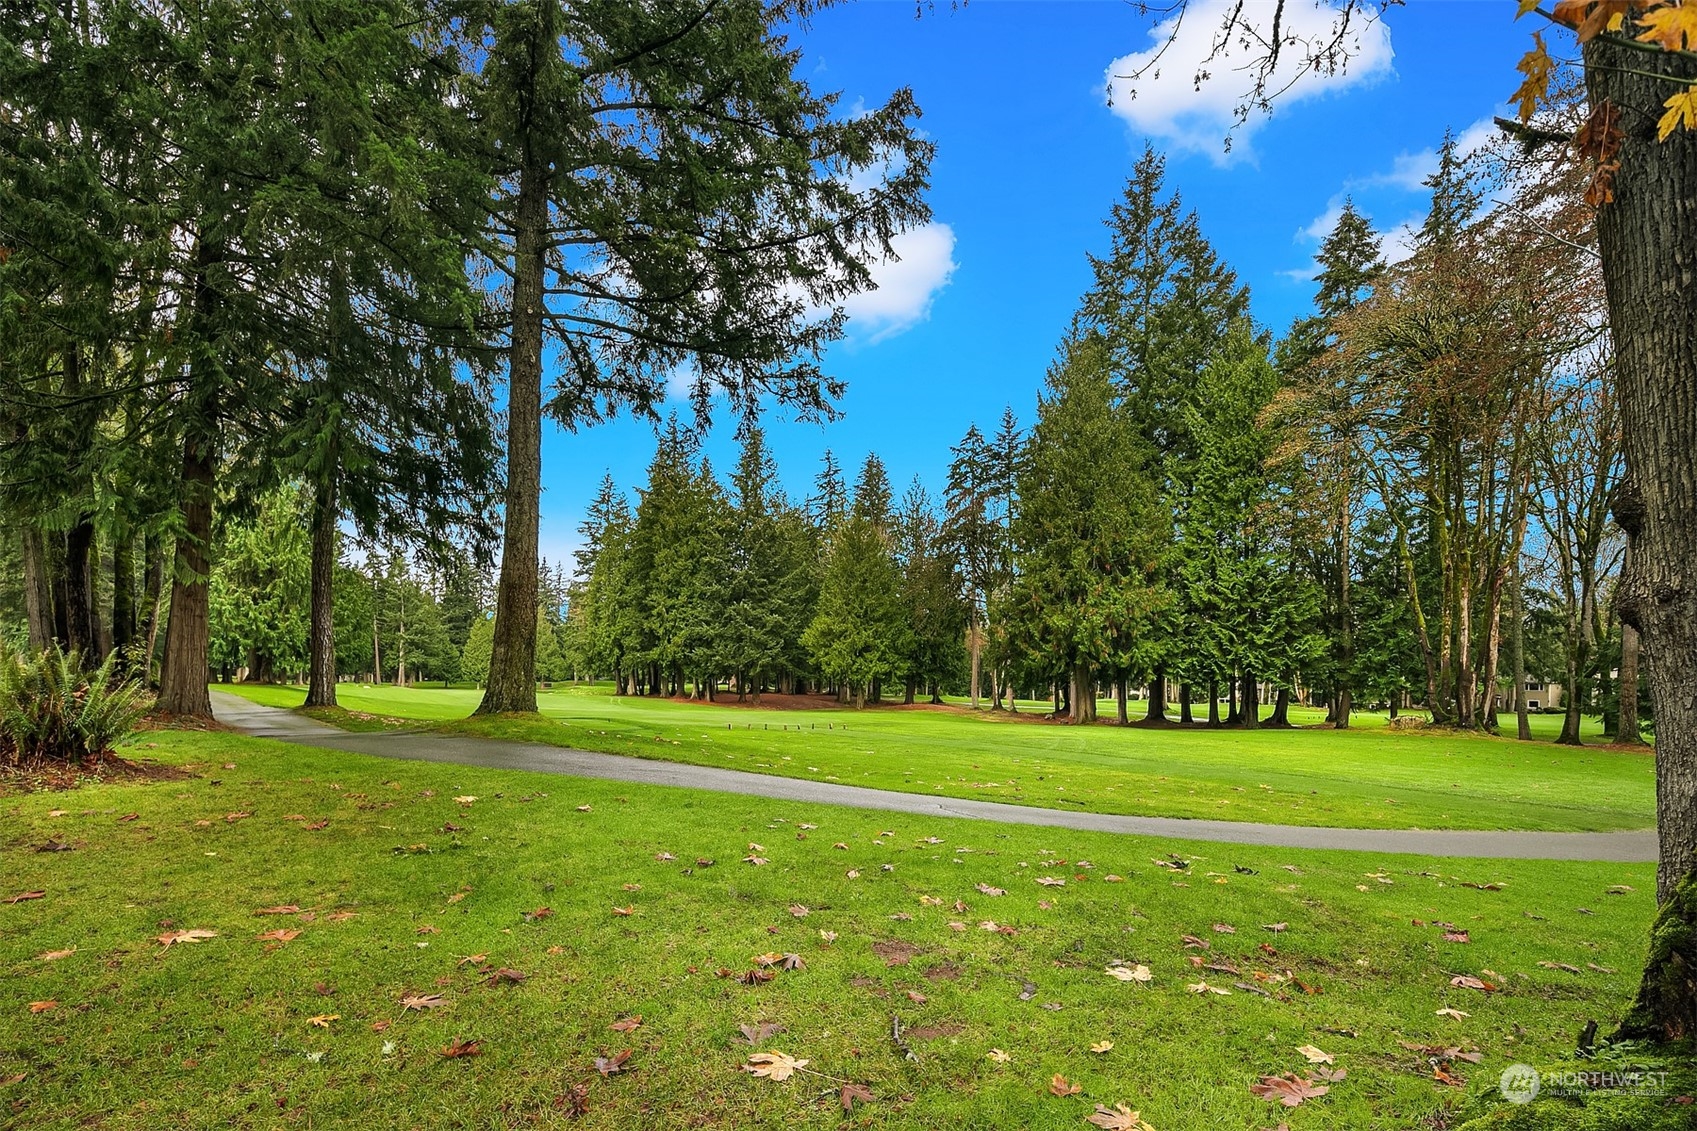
1119, 701
1231, 700
1645, 237
1082, 694
124, 621
182, 680
512, 666
1281, 709
321, 631
1628, 731
977, 651
1184, 715
1338, 716
79, 592
1251, 697
1157, 712
1213, 702
38, 590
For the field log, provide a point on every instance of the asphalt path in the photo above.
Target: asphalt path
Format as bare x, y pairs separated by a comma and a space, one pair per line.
499, 754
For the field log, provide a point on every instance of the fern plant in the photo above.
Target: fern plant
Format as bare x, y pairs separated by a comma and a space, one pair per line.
53, 710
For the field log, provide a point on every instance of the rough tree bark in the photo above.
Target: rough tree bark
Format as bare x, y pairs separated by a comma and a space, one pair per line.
512, 663
321, 631
1628, 730
1157, 712
1648, 241
38, 590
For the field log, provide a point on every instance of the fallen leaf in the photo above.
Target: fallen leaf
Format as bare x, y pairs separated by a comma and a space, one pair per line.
1314, 1055
757, 861
461, 1048
1559, 966
171, 938
42, 1006
422, 1001
612, 1065
998, 1056
508, 975
55, 955
280, 909
916, 997
1061, 1086
1117, 1118
1051, 882
1468, 982
232, 818
631, 910
1138, 973
627, 1024
1289, 1089
1454, 1014
1205, 988
988, 890
465, 799
853, 1092
472, 960
776, 1066
1276, 928
1102, 1046
279, 935
1224, 929
828, 936
25, 895
798, 910
380, 1026
322, 1021
1456, 936
539, 913
754, 1034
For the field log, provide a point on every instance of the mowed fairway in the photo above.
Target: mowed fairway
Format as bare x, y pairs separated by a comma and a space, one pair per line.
531, 913
1368, 777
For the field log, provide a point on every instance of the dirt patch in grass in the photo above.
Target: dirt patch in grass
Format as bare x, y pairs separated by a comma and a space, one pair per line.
942, 971
53, 777
932, 1032
894, 952
870, 985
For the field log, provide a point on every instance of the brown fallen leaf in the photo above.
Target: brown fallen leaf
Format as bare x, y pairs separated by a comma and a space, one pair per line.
754, 1034
916, 997
1559, 966
611, 1065
279, 935
776, 1066
232, 818
627, 1024
1315, 1055
852, 1092
55, 955
507, 975
1452, 1014
631, 910
539, 913
25, 895
42, 1006
316, 826
755, 977
1276, 928
472, 960
194, 935
380, 1026
461, 1048
1289, 1089
1059, 1085
1117, 1118
1469, 982
422, 1001
280, 909
1224, 929
1456, 936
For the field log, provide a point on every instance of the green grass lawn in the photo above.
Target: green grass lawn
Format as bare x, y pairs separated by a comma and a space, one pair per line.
1369, 777
419, 879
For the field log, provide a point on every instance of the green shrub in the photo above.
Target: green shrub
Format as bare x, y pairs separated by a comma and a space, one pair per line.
51, 709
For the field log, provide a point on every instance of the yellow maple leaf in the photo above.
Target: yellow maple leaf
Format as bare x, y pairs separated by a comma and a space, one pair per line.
322, 1021
1674, 29
1537, 66
1681, 108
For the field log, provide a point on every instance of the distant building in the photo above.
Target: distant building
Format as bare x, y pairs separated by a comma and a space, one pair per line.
1540, 696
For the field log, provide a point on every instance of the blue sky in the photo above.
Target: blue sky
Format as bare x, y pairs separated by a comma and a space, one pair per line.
1030, 156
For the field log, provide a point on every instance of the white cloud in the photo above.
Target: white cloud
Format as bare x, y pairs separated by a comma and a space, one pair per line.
1191, 84
1409, 171
905, 283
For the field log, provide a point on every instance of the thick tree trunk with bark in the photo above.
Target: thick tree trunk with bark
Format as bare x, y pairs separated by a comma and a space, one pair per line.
78, 592
512, 664
1628, 730
1648, 240
1184, 713
1157, 712
1119, 701
1081, 694
1250, 719
124, 621
321, 629
1281, 709
38, 589
182, 680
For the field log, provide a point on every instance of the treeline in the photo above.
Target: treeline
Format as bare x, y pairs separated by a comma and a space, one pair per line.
246, 247
1401, 501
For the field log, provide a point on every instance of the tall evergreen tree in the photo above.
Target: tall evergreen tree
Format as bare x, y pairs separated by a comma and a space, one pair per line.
931, 594
672, 193
858, 635
1089, 534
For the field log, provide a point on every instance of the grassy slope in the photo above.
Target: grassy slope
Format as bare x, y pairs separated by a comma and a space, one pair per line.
217, 1033
1368, 777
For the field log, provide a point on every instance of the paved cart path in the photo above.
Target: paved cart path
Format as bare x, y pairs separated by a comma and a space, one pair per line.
500, 754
